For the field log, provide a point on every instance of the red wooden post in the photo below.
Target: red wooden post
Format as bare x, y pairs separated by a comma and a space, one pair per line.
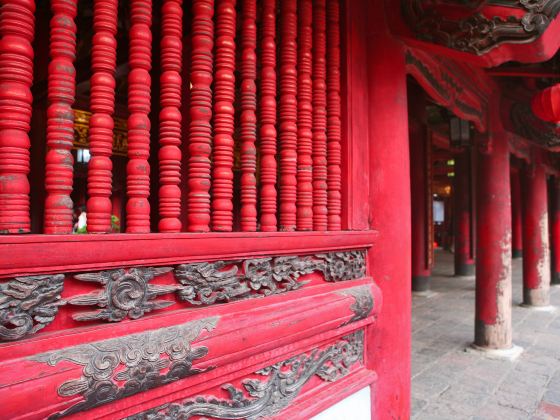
17, 26
536, 257
267, 110
464, 263
59, 162
334, 130
139, 96
555, 237
200, 136
305, 117
319, 117
248, 128
224, 117
169, 155
493, 229
288, 115
103, 62
516, 218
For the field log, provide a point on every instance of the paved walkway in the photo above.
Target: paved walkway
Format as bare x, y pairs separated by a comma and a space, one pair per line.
449, 383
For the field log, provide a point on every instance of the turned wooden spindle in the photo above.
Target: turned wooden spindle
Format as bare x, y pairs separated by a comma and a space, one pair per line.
59, 161
200, 135
170, 121
267, 116
17, 26
248, 126
288, 114
319, 117
334, 152
305, 117
139, 98
102, 99
224, 118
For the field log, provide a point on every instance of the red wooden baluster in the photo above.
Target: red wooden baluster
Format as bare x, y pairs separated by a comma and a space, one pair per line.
139, 96
103, 62
319, 117
334, 157
224, 118
200, 136
248, 116
267, 107
60, 123
17, 26
305, 117
170, 117
288, 114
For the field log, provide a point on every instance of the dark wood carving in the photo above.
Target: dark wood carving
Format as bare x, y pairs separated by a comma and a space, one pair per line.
528, 126
28, 304
125, 294
477, 33
363, 304
124, 366
281, 384
223, 281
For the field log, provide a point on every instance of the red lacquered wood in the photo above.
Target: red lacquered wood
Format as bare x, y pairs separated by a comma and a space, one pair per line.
334, 133
248, 134
170, 117
200, 136
59, 161
139, 96
103, 61
305, 117
224, 118
319, 117
17, 26
268, 167
288, 115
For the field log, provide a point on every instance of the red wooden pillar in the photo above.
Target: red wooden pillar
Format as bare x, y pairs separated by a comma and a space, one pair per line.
268, 117
224, 96
305, 117
388, 343
536, 257
493, 229
200, 136
555, 230
170, 119
288, 114
60, 125
139, 91
248, 126
320, 195
103, 62
421, 270
516, 215
17, 27
464, 262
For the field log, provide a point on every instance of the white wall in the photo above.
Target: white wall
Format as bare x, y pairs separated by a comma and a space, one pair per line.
355, 407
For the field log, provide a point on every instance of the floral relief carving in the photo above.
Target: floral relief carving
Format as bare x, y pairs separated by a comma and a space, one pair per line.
223, 281
29, 304
281, 383
125, 294
124, 366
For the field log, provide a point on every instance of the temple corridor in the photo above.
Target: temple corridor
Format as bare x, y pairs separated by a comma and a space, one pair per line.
449, 383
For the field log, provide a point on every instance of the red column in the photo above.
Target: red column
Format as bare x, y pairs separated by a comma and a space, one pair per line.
536, 258
139, 97
17, 26
555, 246
464, 263
268, 117
493, 229
103, 62
516, 218
421, 272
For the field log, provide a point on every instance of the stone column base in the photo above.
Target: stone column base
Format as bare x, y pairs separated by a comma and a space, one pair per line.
516, 253
464, 270
504, 354
421, 283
